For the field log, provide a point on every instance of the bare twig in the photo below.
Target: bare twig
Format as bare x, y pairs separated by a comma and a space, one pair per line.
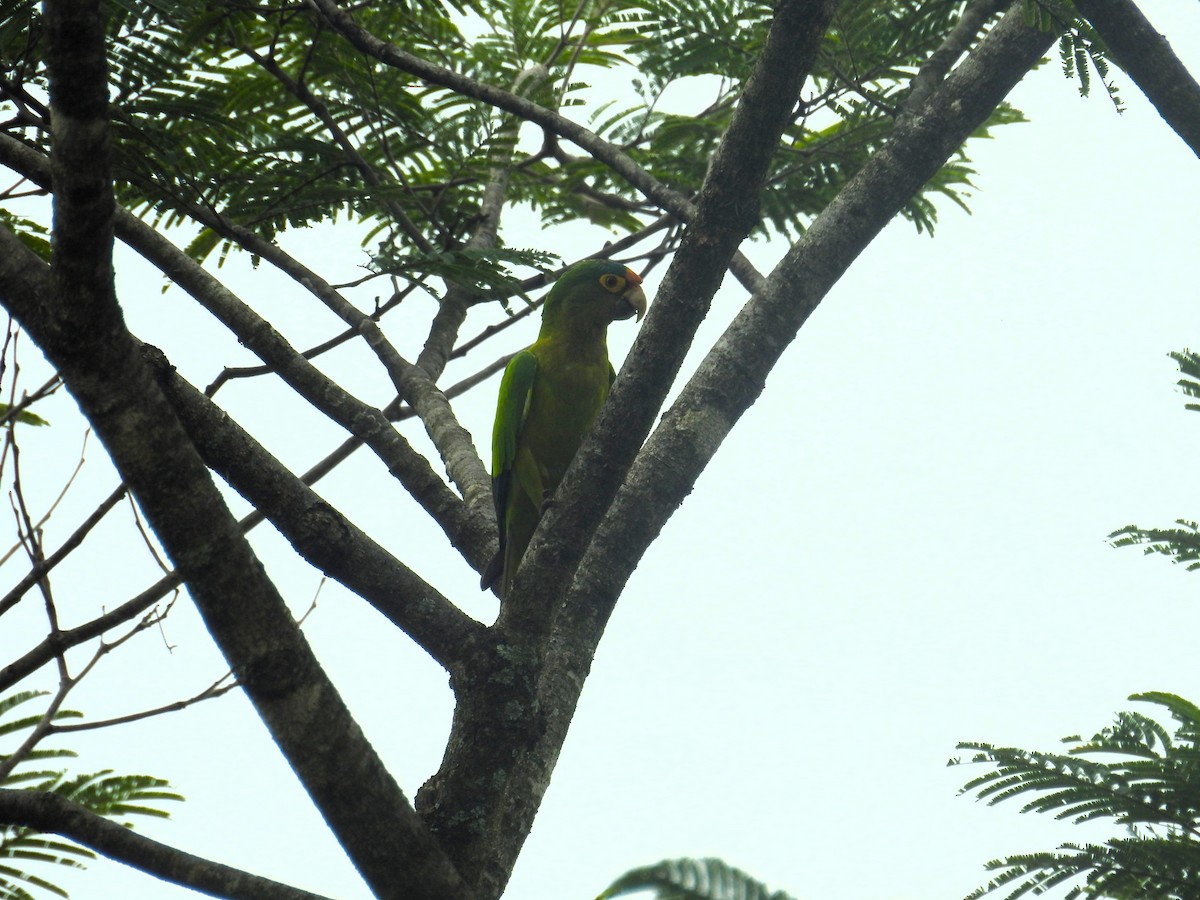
232, 372
146, 539
57, 500
218, 688
43, 568
16, 407
51, 646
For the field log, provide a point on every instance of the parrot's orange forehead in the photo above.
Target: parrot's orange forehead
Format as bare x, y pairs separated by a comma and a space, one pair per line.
632, 276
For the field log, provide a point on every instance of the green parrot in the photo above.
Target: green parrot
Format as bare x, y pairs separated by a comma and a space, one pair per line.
549, 397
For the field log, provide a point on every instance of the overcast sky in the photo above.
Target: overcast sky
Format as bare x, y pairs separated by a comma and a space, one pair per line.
901, 546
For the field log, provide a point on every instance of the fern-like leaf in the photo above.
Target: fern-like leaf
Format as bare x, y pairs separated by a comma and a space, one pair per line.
692, 879
1151, 787
103, 793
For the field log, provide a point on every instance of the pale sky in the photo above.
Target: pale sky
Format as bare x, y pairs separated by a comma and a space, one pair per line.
902, 545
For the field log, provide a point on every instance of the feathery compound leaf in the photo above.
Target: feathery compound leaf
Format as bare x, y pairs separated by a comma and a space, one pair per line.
482, 270
1152, 788
103, 793
1182, 544
692, 879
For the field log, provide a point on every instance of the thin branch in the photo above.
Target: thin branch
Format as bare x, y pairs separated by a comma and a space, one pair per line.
233, 372
55, 644
146, 539
461, 524
102, 368
15, 408
318, 532
76, 537
213, 691
57, 500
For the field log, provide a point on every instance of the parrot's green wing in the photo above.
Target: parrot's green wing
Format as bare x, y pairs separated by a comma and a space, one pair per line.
515, 389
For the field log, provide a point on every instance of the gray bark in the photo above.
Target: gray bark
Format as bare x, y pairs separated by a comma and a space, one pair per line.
1145, 54
53, 814
72, 313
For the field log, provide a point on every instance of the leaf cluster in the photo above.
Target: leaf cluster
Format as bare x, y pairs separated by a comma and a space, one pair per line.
692, 879
258, 117
1180, 544
862, 76
104, 793
483, 271
1138, 773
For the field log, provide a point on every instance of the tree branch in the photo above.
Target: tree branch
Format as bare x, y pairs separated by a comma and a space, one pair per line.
1145, 54
469, 530
52, 814
733, 373
43, 568
260, 640
480, 819
728, 381
974, 16
452, 441
57, 643
726, 211
318, 532
72, 313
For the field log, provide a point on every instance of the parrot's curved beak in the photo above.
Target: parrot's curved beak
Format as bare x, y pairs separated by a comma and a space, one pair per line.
631, 303
633, 300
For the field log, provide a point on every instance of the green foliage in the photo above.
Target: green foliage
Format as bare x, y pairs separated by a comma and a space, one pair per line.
23, 416
483, 271
103, 793
1146, 779
32, 234
265, 117
1082, 50
1180, 544
1189, 365
692, 879
1152, 788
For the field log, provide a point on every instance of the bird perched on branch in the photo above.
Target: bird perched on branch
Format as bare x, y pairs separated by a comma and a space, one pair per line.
549, 397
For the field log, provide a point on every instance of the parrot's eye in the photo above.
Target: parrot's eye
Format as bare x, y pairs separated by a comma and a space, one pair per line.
612, 283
